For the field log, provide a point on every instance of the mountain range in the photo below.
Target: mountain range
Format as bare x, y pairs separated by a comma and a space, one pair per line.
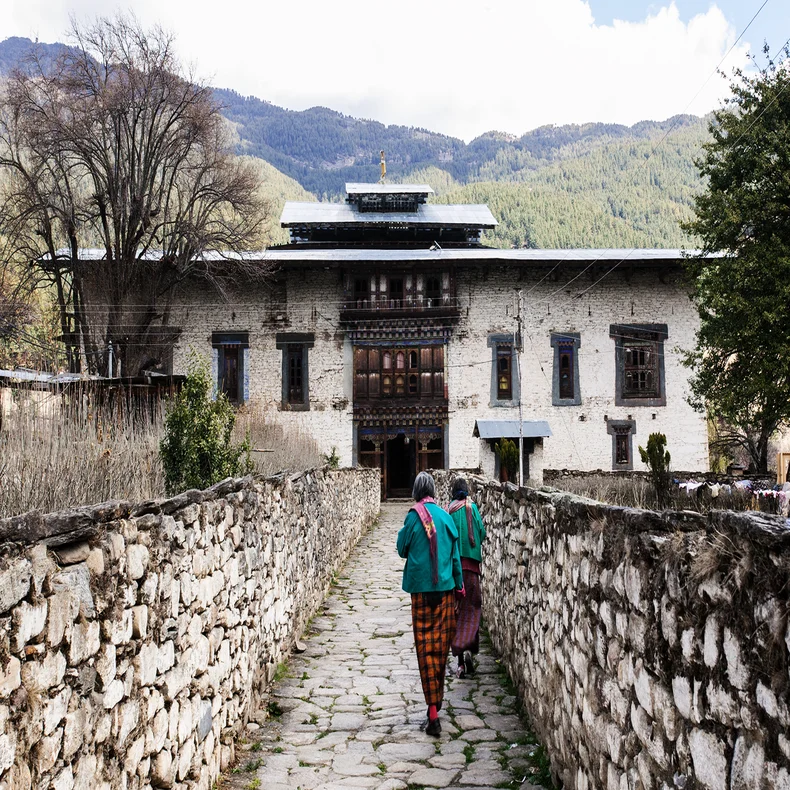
588, 185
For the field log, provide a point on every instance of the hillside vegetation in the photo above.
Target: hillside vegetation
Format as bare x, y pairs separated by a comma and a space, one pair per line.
578, 185
590, 185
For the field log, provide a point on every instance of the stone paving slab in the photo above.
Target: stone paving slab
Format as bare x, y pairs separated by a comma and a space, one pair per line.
351, 705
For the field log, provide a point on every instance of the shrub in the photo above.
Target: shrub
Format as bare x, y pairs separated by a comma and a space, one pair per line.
508, 456
197, 450
657, 459
332, 460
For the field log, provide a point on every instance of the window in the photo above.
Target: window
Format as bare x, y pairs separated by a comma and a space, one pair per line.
566, 373
229, 375
361, 292
295, 378
295, 389
565, 389
409, 372
504, 372
504, 375
641, 370
433, 292
639, 364
622, 432
395, 292
228, 360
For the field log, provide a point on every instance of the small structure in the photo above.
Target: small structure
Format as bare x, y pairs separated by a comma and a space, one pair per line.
533, 432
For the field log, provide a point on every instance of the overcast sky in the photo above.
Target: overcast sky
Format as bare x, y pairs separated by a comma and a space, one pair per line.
452, 66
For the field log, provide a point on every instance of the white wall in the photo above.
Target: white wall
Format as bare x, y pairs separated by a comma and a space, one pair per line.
487, 301
489, 307
312, 302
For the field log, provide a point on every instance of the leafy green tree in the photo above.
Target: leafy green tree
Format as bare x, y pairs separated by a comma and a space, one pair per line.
197, 450
657, 459
741, 363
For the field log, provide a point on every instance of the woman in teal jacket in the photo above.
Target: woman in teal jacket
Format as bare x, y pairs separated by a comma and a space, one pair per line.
466, 517
428, 541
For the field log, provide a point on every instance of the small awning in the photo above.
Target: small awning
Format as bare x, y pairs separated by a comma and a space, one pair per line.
508, 429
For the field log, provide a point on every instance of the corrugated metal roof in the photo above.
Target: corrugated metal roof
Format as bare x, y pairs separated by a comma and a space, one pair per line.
473, 254
355, 188
508, 429
24, 374
461, 215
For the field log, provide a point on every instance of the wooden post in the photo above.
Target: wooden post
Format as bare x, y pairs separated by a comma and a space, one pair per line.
384, 481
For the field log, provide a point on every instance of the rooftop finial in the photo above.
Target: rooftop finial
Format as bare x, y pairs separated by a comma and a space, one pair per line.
383, 168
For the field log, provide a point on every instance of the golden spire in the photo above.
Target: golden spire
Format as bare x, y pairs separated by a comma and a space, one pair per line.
383, 168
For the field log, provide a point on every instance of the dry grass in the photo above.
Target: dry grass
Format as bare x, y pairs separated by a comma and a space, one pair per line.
293, 448
59, 453
635, 492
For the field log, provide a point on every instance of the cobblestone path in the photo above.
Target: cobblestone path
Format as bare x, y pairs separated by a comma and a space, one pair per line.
348, 713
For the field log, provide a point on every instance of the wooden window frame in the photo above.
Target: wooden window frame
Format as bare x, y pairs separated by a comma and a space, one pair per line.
295, 352
565, 344
504, 357
420, 377
292, 344
629, 338
237, 342
622, 433
496, 343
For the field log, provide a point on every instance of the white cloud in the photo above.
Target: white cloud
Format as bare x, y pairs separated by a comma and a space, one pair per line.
454, 66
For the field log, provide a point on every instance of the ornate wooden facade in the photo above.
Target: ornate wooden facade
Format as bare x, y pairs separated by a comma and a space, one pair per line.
399, 318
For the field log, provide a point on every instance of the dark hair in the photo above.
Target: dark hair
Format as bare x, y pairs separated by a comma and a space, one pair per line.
460, 488
423, 486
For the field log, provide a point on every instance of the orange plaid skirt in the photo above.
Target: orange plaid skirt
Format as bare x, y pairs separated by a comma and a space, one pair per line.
433, 620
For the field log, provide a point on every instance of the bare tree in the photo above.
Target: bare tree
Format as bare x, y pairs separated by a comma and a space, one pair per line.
116, 147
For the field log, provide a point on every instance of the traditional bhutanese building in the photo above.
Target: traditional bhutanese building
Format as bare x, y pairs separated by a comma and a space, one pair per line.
389, 332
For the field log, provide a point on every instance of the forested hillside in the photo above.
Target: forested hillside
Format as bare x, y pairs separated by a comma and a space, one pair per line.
610, 191
576, 185
584, 185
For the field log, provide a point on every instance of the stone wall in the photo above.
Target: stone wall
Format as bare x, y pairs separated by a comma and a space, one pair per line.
136, 640
650, 650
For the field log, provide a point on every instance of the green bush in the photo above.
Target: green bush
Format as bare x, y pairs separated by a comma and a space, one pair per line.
332, 460
197, 450
508, 456
657, 459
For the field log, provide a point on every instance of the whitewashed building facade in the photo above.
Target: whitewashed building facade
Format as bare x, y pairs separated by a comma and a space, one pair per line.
390, 333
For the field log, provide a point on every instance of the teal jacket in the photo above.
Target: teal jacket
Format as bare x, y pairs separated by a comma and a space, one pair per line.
459, 517
413, 546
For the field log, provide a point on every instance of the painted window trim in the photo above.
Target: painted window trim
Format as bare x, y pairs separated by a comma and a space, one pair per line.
219, 342
559, 339
656, 333
615, 427
495, 340
283, 341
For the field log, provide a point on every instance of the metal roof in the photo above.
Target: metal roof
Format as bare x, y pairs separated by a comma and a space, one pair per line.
472, 255
432, 214
508, 429
355, 188
35, 376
